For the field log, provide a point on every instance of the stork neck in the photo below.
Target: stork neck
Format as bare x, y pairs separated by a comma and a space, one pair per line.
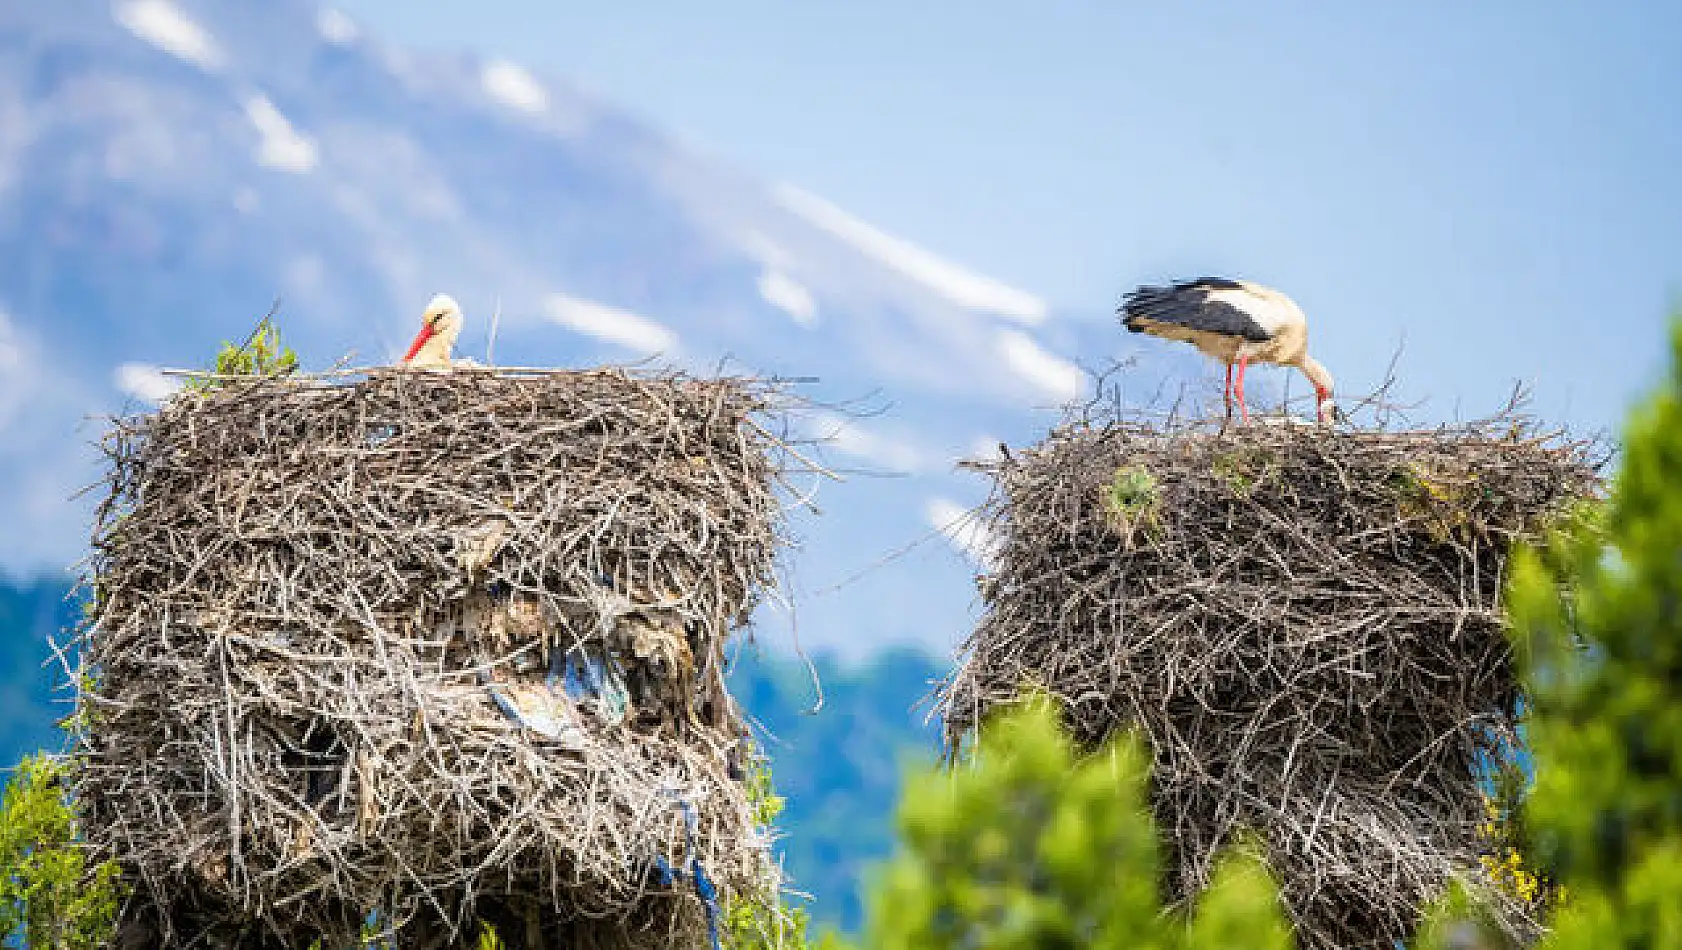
1318, 375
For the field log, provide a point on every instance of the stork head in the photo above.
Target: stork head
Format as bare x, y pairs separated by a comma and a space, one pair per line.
1326, 406
1328, 410
442, 319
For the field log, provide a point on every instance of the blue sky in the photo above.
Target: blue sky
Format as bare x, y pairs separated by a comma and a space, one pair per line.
1495, 183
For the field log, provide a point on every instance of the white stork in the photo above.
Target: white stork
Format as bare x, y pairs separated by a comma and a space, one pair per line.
1237, 322
440, 326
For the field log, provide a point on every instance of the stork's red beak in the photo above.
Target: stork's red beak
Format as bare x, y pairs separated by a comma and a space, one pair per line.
1335, 414
420, 341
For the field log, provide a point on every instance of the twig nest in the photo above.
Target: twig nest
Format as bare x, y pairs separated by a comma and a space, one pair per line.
421, 640
1305, 624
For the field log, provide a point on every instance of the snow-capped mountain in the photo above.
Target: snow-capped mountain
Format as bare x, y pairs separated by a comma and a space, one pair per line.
169, 167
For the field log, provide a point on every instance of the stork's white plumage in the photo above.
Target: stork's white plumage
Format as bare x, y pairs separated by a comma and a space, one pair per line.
1238, 322
440, 326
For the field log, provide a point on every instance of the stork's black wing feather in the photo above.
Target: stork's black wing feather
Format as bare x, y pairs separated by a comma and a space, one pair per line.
1188, 303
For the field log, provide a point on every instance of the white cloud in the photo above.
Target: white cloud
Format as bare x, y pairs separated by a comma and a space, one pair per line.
790, 296
622, 327
144, 381
848, 437
335, 27
1052, 375
514, 86
281, 146
964, 529
963, 287
162, 24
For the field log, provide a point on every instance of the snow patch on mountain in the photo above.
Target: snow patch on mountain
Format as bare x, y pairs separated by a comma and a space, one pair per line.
163, 25
611, 324
514, 86
279, 145
145, 382
854, 439
790, 296
1052, 375
963, 529
962, 287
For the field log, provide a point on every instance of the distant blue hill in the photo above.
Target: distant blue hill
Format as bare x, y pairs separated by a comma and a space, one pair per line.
30, 703
841, 766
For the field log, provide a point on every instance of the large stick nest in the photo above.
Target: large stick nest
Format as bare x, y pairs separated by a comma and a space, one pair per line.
1304, 624
346, 632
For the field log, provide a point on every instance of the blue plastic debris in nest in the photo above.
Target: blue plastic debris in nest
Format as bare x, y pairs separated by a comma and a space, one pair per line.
704, 888
590, 671
538, 708
584, 673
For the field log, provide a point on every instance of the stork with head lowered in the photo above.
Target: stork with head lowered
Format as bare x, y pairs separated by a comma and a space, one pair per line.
1238, 322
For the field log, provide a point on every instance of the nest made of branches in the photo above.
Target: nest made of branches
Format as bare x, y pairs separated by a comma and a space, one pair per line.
419, 641
1305, 625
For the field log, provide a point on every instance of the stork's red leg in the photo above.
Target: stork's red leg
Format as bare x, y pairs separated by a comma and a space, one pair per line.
1243, 410
1226, 392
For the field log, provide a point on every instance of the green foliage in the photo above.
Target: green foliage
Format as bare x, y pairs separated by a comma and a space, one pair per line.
1439, 501
1132, 490
1597, 619
762, 794
1133, 499
1241, 907
764, 921
1245, 469
1461, 920
489, 939
85, 714
1505, 864
1031, 845
262, 354
48, 895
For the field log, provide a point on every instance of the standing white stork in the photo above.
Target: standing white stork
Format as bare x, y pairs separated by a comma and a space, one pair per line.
1237, 322
440, 326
